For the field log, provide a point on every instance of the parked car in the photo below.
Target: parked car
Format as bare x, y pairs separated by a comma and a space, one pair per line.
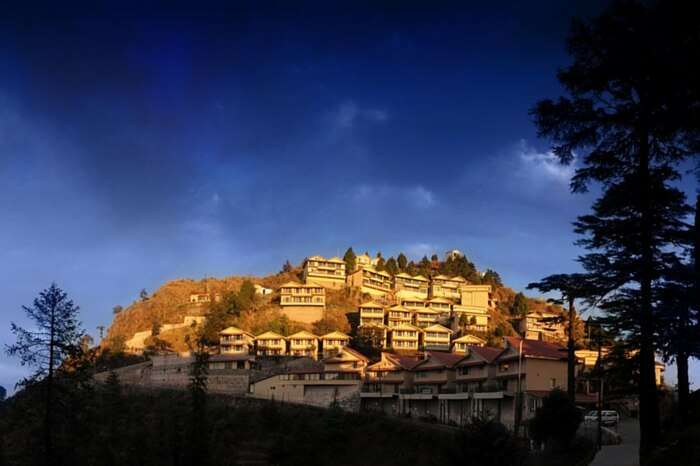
608, 417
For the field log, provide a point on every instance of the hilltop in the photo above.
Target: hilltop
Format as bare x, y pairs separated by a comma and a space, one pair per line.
170, 311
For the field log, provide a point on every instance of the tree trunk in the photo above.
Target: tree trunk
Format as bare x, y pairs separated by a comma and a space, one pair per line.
571, 360
683, 386
648, 405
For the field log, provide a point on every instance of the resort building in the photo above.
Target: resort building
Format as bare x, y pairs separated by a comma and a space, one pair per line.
362, 261
476, 319
384, 381
442, 306
405, 337
412, 303
262, 291
476, 297
346, 359
329, 273
371, 281
545, 326
334, 342
229, 362
532, 367
425, 317
233, 340
407, 286
462, 344
270, 344
398, 315
203, 298
303, 344
443, 286
302, 303
371, 313
436, 337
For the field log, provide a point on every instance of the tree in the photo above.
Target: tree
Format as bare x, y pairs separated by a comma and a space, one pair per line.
143, 295
55, 336
117, 344
287, 267
117, 309
556, 421
424, 266
485, 442
491, 277
369, 341
391, 266
519, 308
3, 393
434, 258
350, 258
402, 262
246, 295
571, 287
380, 263
155, 327
631, 115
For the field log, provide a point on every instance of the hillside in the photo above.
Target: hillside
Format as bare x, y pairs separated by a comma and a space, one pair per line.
169, 306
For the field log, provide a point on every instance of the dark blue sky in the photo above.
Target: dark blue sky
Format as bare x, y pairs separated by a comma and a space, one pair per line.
142, 145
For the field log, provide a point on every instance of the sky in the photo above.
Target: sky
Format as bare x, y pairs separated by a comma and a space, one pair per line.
140, 144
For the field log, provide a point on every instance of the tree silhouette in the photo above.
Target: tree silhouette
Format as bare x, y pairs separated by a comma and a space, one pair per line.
402, 262
55, 336
631, 115
350, 258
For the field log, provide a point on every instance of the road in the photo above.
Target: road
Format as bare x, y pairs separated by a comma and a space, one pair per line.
625, 454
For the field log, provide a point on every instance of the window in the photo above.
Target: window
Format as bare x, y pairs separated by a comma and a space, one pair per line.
503, 367
552, 383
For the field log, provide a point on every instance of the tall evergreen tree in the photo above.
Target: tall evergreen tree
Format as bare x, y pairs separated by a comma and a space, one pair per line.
350, 258
519, 308
402, 262
391, 266
631, 113
55, 336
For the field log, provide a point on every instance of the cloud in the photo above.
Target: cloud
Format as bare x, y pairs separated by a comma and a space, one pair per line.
543, 165
416, 196
349, 113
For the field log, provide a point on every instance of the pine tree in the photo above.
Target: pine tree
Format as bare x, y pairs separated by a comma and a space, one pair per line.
631, 112
402, 262
350, 260
246, 295
391, 266
519, 308
491, 277
56, 336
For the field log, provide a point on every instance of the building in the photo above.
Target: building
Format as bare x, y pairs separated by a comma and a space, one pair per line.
476, 297
233, 340
270, 344
531, 368
371, 281
545, 326
384, 380
361, 261
425, 317
454, 254
371, 313
442, 286
303, 344
334, 342
442, 306
346, 359
436, 337
413, 304
302, 303
462, 343
405, 337
224, 362
262, 291
476, 319
407, 286
329, 273
204, 298
398, 315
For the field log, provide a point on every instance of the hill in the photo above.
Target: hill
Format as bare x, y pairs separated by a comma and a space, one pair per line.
169, 308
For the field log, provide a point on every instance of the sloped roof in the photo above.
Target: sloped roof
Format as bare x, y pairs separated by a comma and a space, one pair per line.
232, 331
302, 334
346, 350
487, 352
316, 258
469, 339
336, 259
420, 277
269, 336
403, 275
426, 310
441, 277
440, 300
399, 308
405, 326
537, 348
336, 335
437, 360
438, 328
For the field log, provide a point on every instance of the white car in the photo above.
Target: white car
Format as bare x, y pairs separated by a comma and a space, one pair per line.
608, 417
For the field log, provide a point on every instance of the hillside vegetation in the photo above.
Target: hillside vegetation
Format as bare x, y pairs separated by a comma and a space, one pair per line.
170, 304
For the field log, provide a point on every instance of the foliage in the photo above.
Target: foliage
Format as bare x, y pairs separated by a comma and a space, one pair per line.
246, 295
391, 266
143, 295
485, 442
117, 309
491, 277
556, 421
368, 341
350, 258
287, 267
3, 393
519, 307
402, 262
117, 344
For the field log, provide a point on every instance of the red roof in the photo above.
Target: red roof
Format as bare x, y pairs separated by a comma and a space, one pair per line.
438, 359
537, 348
486, 352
